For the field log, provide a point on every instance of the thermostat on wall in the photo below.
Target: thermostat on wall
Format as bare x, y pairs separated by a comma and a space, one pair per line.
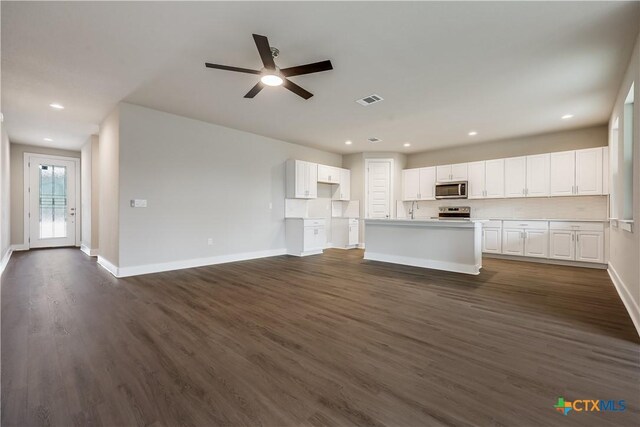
138, 203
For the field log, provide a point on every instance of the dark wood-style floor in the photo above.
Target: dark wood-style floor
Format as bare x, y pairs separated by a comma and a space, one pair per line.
316, 341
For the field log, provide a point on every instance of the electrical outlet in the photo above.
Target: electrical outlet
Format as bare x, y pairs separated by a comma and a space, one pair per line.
209, 241
138, 203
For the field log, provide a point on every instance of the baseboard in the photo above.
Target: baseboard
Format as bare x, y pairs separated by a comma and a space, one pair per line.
88, 251
424, 263
595, 265
107, 265
188, 263
360, 245
626, 297
305, 253
5, 260
20, 247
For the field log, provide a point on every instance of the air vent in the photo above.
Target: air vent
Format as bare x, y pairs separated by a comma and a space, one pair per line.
368, 100
373, 139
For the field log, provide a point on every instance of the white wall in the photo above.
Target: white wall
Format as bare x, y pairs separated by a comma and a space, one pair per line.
5, 230
201, 181
109, 177
17, 184
522, 146
625, 246
89, 177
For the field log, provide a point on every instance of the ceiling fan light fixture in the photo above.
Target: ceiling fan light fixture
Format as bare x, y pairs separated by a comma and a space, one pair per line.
272, 80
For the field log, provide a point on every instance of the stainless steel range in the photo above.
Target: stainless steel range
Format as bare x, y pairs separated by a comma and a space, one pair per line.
454, 212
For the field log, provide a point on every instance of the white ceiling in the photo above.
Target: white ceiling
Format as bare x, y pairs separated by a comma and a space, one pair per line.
502, 69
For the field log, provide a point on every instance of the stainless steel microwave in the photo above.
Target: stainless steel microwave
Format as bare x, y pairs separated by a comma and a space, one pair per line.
451, 190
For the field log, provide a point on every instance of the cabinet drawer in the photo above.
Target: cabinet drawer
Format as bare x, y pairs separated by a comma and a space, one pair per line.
577, 226
538, 225
313, 222
492, 224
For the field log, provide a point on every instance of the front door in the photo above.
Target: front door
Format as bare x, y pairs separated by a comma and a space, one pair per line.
52, 202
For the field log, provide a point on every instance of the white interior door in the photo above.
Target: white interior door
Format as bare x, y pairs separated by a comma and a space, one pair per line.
52, 211
379, 189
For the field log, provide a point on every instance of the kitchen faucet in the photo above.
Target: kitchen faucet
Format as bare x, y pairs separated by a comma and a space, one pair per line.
412, 211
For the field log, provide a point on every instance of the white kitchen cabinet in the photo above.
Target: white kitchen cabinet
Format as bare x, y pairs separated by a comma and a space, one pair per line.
328, 174
536, 243
515, 176
486, 179
512, 241
579, 241
605, 170
528, 238
427, 190
494, 179
492, 237
590, 246
305, 236
562, 173
343, 190
345, 232
589, 172
537, 176
456, 172
418, 184
301, 179
476, 175
410, 184
562, 245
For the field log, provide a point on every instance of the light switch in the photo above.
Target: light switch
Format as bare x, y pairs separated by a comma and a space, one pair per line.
138, 203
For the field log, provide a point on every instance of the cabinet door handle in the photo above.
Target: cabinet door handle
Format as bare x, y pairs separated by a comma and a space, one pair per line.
573, 237
576, 189
577, 237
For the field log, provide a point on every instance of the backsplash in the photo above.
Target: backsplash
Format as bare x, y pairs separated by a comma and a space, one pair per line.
583, 207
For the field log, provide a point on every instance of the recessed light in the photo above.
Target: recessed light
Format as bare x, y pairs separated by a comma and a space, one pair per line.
48, 139
406, 144
567, 116
473, 133
56, 106
348, 142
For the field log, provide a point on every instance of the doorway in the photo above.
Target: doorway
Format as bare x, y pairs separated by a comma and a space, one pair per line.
379, 185
51, 184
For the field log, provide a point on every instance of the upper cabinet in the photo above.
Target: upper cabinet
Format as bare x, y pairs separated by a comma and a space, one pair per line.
537, 176
419, 184
577, 173
486, 179
447, 173
515, 176
301, 179
589, 171
343, 191
328, 174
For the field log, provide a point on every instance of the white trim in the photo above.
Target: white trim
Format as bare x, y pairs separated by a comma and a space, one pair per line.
627, 299
104, 263
19, 247
553, 261
27, 200
187, 263
91, 252
5, 260
424, 263
391, 184
304, 253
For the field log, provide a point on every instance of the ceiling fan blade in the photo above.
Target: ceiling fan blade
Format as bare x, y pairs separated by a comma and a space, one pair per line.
254, 90
228, 68
296, 89
316, 67
262, 43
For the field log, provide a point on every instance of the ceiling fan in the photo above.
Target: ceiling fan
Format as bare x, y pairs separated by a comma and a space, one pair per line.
272, 75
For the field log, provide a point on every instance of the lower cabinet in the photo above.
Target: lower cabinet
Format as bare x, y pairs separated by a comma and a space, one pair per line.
305, 236
577, 241
345, 232
492, 237
526, 238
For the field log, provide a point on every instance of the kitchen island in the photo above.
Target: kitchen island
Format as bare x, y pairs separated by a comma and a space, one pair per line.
450, 245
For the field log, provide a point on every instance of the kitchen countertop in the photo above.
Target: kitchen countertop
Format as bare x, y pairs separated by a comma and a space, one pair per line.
544, 219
